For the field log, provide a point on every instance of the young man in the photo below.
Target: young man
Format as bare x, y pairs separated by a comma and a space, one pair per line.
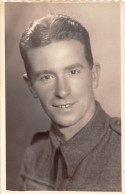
81, 151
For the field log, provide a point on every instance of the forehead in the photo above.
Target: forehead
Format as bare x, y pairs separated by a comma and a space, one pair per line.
57, 55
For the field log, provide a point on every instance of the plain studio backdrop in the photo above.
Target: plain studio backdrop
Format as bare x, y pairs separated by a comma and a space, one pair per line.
24, 115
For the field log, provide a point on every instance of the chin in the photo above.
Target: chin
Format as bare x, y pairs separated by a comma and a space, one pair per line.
65, 122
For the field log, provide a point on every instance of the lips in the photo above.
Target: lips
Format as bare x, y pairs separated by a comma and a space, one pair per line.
63, 106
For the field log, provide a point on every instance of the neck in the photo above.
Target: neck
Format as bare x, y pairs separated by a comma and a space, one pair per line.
70, 131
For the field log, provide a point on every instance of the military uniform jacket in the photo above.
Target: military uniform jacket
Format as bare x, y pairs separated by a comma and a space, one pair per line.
89, 161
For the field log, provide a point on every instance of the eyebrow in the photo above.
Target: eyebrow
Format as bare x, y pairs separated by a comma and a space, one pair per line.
76, 65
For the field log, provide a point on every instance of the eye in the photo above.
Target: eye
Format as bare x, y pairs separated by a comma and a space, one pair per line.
46, 77
74, 72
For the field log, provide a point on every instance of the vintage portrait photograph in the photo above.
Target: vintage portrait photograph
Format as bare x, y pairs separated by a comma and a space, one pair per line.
63, 96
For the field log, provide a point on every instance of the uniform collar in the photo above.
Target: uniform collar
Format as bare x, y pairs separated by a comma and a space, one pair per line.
76, 149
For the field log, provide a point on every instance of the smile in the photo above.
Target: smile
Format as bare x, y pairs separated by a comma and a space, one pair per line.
63, 106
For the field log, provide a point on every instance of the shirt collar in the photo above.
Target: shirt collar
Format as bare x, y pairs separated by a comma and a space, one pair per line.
76, 148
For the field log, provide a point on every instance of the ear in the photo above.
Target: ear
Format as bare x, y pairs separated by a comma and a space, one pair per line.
29, 84
95, 75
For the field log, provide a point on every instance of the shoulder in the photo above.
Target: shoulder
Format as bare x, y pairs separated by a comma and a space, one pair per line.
40, 145
36, 153
115, 125
40, 136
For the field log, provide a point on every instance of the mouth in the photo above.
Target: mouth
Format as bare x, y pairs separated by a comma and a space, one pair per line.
64, 106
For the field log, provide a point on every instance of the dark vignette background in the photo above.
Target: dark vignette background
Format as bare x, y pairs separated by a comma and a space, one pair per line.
24, 115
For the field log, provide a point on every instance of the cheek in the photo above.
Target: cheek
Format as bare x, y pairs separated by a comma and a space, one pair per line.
82, 85
43, 93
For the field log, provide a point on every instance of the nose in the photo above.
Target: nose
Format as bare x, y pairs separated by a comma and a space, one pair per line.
62, 89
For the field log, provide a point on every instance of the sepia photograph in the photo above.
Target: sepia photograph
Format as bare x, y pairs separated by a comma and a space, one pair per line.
63, 96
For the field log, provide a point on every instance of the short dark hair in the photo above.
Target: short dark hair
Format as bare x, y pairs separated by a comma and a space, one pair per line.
52, 28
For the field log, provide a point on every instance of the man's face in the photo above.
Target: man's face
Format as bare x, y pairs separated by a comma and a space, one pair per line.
63, 81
